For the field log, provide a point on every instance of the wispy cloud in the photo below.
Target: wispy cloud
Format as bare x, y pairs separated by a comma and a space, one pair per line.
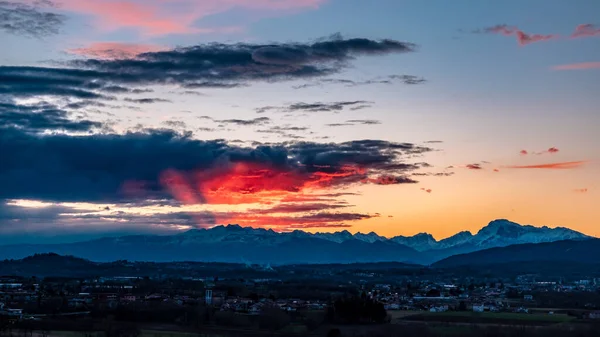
31, 20
586, 30
550, 166
428, 190
147, 100
316, 107
580, 190
37, 118
254, 121
522, 37
578, 66
390, 79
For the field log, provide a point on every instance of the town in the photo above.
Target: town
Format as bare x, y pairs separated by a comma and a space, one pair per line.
291, 299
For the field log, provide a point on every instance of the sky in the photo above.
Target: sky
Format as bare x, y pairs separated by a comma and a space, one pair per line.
392, 116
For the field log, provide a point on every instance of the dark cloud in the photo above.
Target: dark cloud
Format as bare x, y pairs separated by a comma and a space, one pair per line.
433, 141
433, 174
79, 105
364, 121
175, 124
254, 121
29, 20
335, 125
203, 66
206, 129
390, 79
147, 100
191, 92
211, 85
229, 65
355, 122
104, 166
316, 107
117, 89
60, 82
284, 131
474, 166
42, 117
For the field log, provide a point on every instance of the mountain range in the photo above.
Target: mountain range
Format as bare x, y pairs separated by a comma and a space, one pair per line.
233, 243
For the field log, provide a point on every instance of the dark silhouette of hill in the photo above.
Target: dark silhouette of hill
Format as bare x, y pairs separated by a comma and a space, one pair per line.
55, 265
559, 252
169, 249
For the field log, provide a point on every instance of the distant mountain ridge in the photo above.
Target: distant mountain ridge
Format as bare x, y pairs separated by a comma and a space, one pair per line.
559, 252
234, 243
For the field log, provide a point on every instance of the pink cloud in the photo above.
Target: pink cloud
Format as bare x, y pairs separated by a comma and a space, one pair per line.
496, 170
580, 190
160, 17
428, 190
585, 30
523, 152
522, 37
578, 66
115, 50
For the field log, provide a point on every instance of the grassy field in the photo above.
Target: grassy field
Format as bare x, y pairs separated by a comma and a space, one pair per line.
400, 314
488, 318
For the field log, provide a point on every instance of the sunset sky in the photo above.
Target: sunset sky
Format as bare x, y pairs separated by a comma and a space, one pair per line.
392, 116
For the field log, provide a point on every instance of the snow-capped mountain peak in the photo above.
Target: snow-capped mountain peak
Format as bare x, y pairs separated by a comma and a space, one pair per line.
497, 233
502, 232
369, 237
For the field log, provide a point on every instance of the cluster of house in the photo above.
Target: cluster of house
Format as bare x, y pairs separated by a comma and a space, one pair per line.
113, 292
440, 297
16, 294
254, 307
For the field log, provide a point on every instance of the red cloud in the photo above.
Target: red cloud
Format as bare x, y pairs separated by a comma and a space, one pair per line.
581, 190
523, 152
585, 30
578, 66
552, 150
496, 170
115, 50
160, 17
428, 190
243, 183
522, 37
553, 166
